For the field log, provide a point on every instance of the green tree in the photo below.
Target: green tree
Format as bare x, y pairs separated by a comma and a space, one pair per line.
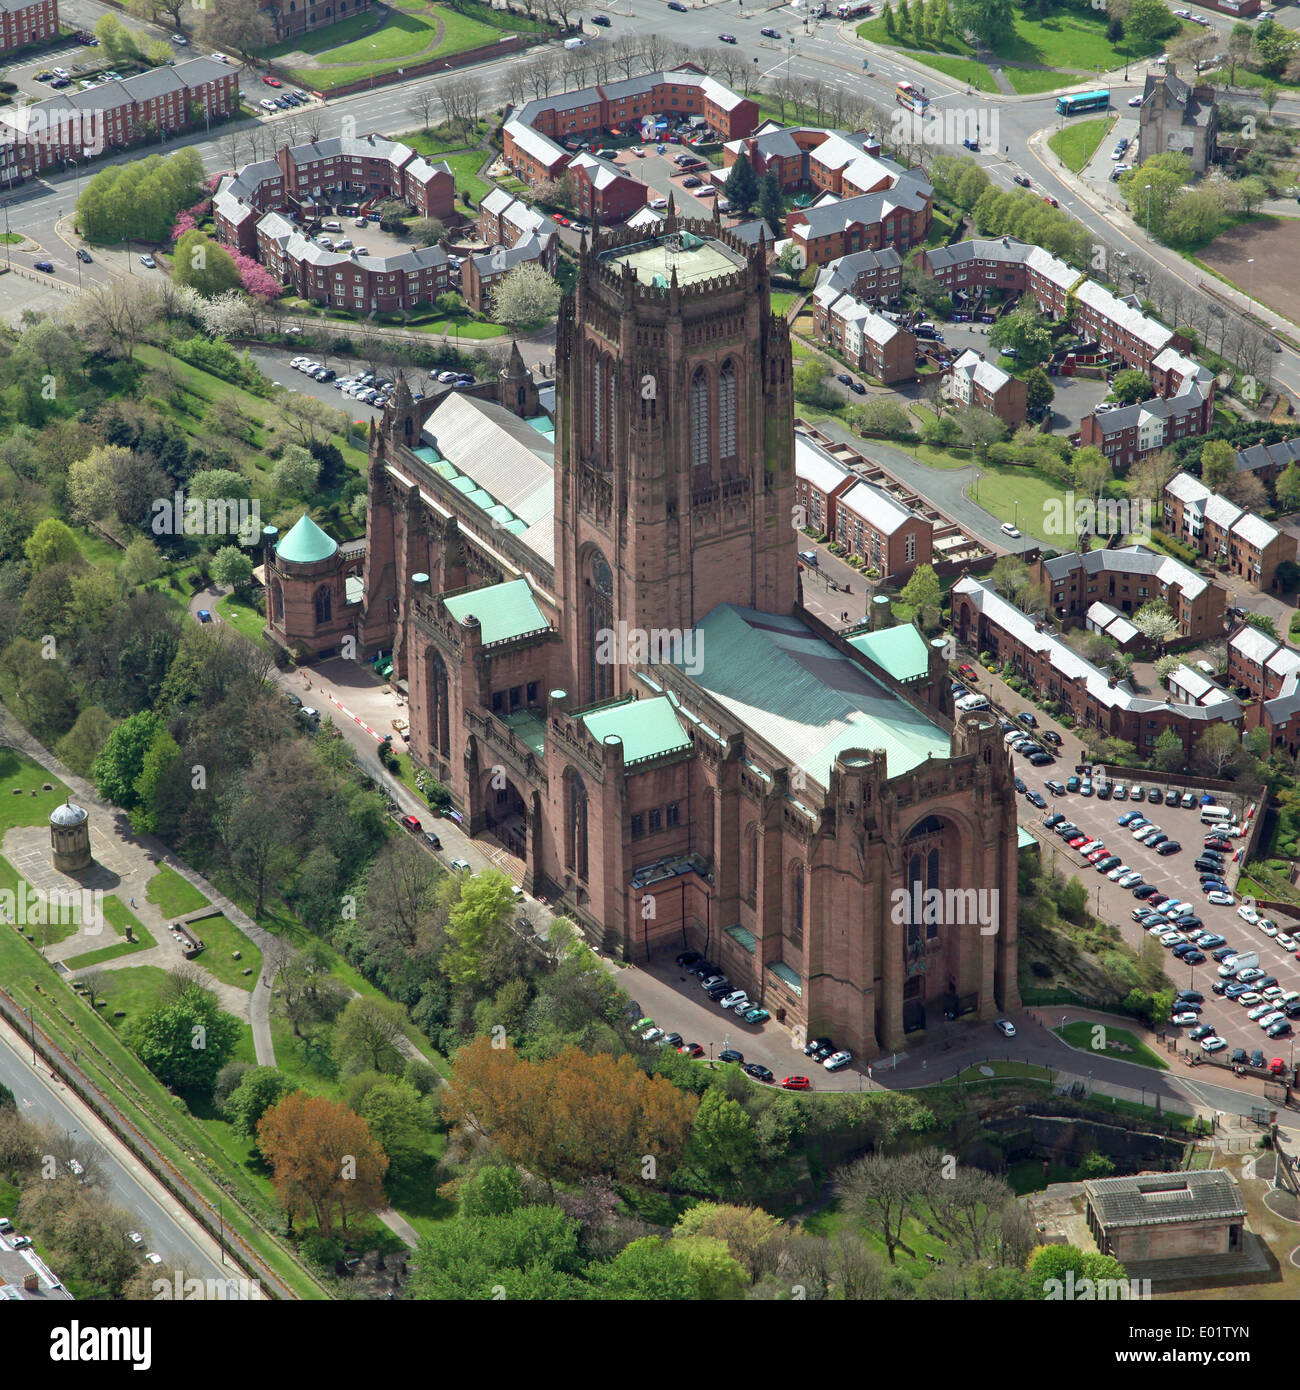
810, 384
1025, 331
204, 265
771, 202
923, 591
1263, 622
1039, 391
1218, 464
258, 1090
52, 542
741, 187
186, 1042
232, 566
295, 473
117, 768
1287, 488
722, 1144
718, 1274
477, 923
647, 1270
888, 15
525, 297
1072, 899
161, 755
369, 1035
1149, 21
1131, 386
398, 1118
988, 22
494, 1190
530, 1252
84, 742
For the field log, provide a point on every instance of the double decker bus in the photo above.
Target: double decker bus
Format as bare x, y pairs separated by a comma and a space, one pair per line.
911, 96
1081, 102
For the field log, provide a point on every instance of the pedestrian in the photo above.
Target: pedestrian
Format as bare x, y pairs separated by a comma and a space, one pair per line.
132, 902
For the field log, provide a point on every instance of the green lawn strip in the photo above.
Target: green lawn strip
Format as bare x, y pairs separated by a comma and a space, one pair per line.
1076, 144
242, 615
221, 939
965, 70
26, 909
783, 302
323, 40
124, 1080
1080, 1035
1026, 81
120, 916
173, 895
830, 1221
1021, 496
22, 802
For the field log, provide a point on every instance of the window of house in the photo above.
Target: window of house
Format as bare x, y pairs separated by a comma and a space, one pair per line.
673, 811
656, 820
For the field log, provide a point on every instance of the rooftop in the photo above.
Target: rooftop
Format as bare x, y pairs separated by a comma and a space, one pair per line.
305, 543
1147, 1199
692, 257
504, 611
649, 728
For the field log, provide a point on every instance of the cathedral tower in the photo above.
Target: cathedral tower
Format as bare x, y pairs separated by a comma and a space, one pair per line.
674, 486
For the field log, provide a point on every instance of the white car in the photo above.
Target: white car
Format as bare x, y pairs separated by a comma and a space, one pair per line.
1213, 1044
1267, 927
1273, 1016
1116, 874
1272, 993
652, 1035
1011, 530
60, 72
1220, 899
1158, 930
837, 1061
218, 57
148, 262
1248, 999
1259, 1011
1248, 914
731, 1000
135, 1237
1130, 879
180, 40
1006, 1027
1172, 938
1286, 941
267, 104
154, 1258
1185, 1020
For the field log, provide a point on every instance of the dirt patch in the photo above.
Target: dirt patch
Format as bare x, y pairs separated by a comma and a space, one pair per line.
1272, 245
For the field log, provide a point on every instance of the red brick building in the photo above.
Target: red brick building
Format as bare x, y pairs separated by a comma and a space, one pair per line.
293, 17
24, 22
898, 217
114, 115
1235, 539
975, 269
609, 665
602, 192
985, 386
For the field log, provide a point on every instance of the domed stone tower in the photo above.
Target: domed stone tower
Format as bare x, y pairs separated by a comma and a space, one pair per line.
306, 594
70, 838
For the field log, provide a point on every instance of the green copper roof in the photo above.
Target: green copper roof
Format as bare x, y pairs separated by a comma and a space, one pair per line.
647, 727
503, 610
901, 651
529, 727
803, 696
1023, 838
306, 543
428, 453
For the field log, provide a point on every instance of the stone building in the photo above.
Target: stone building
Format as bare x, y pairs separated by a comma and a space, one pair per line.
1178, 118
1166, 1216
70, 838
599, 625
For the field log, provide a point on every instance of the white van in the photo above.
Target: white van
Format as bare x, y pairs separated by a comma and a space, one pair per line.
972, 702
575, 43
1215, 815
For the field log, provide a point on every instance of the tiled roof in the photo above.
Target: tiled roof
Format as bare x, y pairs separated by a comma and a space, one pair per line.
983, 374
1259, 455
1128, 559
1162, 1199
875, 506
1131, 320
814, 465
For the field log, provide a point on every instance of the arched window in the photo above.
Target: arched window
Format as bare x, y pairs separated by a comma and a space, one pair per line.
914, 909
439, 713
598, 402
700, 456
577, 837
796, 905
600, 589
324, 605
932, 882
727, 412
613, 410
749, 863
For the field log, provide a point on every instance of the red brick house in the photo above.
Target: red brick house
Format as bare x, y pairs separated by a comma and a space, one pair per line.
24, 22
602, 192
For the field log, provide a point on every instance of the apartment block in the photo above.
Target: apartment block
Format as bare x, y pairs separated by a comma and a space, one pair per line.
1234, 539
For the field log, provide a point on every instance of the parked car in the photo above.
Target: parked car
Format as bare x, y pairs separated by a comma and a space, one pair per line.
1005, 1027
837, 1061
759, 1073
148, 262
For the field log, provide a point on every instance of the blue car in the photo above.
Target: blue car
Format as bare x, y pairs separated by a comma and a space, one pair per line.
204, 616
1128, 817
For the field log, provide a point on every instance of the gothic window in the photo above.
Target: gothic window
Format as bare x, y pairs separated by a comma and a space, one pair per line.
612, 410
598, 403
932, 882
727, 412
915, 888
749, 863
577, 846
796, 905
439, 713
600, 589
700, 420
324, 605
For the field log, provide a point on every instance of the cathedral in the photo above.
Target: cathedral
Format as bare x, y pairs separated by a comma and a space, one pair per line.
597, 617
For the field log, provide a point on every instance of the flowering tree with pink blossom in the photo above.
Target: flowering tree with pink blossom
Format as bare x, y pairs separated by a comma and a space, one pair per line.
256, 279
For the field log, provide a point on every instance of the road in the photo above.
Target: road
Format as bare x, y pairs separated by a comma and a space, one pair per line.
167, 1229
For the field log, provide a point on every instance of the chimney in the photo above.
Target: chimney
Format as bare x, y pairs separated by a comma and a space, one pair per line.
871, 145
31, 1283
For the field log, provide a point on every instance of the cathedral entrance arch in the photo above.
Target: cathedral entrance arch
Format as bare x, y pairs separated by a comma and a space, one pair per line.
505, 813
932, 908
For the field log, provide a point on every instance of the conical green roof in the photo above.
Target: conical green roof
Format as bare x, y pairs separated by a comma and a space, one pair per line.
306, 543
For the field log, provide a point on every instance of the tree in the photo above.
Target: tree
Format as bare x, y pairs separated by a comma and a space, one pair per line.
1218, 464
923, 591
526, 297
1246, 490
1025, 331
878, 1191
241, 26
1039, 391
1198, 215
52, 543
741, 187
647, 1269
988, 22
324, 1160
810, 383
1287, 488
82, 744
204, 265
1287, 575
116, 769
722, 1143
749, 1232
370, 1034
1165, 667
771, 202
529, 1253
718, 1274
231, 567
882, 416
477, 923
393, 214
1149, 21
1156, 622
1131, 386
426, 231
258, 1090
978, 428
296, 472
1263, 622
1218, 750
186, 1043
494, 1190
398, 1118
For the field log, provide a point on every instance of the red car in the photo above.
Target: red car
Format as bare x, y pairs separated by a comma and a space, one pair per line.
797, 1083
968, 671
691, 1049
1214, 843
410, 823
271, 81
1047, 198
1076, 840
1096, 854
563, 221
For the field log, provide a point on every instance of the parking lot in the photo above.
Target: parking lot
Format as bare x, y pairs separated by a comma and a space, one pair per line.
1174, 875
659, 173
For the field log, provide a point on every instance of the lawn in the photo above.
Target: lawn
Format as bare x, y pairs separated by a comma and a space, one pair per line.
1021, 496
242, 615
1076, 144
1081, 1034
1026, 81
120, 917
965, 70
830, 1221
173, 895
22, 802
134, 989
222, 938
40, 934
782, 302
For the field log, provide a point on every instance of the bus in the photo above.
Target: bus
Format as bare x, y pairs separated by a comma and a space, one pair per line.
1083, 101
850, 9
912, 97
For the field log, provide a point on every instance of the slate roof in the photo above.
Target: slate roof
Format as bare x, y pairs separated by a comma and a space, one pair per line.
1128, 559
812, 463
1162, 1199
1131, 320
804, 697
1260, 455
984, 374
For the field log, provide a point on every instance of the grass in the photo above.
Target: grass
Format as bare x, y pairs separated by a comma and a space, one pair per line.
830, 1221
173, 895
242, 615
782, 302
967, 70
1023, 496
1081, 1034
1026, 81
1076, 144
23, 802
222, 938
120, 917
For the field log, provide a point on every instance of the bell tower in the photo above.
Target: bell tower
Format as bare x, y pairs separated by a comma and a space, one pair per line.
674, 485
